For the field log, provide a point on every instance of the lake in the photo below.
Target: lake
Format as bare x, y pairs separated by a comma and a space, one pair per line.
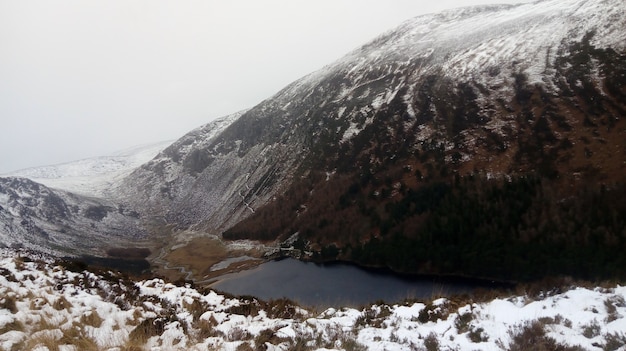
334, 285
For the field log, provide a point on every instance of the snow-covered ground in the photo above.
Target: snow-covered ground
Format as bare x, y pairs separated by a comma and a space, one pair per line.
92, 176
47, 306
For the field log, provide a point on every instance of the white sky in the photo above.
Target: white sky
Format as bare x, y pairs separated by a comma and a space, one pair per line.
86, 78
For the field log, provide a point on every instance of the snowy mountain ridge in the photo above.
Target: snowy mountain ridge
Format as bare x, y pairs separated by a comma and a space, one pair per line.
457, 80
92, 176
45, 305
481, 45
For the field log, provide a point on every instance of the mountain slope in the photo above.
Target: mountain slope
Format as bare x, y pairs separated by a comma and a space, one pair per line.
66, 209
178, 186
39, 218
459, 143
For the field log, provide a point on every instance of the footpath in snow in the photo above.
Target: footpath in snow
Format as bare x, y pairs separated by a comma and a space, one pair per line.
45, 305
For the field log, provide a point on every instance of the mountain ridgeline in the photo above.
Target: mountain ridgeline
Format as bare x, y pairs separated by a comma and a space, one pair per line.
483, 141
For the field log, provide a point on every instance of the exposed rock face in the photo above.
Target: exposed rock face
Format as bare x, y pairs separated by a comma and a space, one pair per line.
208, 179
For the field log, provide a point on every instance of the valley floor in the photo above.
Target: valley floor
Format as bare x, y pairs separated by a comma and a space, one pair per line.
45, 305
203, 258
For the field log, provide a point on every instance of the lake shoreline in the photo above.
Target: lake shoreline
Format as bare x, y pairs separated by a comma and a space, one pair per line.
444, 277
336, 283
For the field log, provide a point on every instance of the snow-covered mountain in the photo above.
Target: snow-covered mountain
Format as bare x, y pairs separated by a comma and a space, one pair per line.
92, 176
67, 209
36, 217
343, 155
177, 185
73, 208
44, 306
482, 129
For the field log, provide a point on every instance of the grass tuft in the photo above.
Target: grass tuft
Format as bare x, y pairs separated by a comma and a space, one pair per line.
246, 307
433, 313
614, 342
592, 329
8, 302
204, 329
238, 334
532, 336
76, 336
352, 345
91, 318
43, 341
431, 343
611, 304
462, 322
373, 316
62, 304
283, 308
14, 325
244, 346
145, 330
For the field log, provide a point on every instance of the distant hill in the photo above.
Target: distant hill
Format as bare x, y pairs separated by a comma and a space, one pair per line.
92, 176
36, 217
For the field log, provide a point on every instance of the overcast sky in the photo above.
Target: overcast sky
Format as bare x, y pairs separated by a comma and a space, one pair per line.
86, 78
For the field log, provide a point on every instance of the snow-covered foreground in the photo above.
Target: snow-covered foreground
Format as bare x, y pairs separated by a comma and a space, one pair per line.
48, 306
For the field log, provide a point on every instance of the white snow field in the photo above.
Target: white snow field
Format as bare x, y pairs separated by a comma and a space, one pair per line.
92, 176
48, 306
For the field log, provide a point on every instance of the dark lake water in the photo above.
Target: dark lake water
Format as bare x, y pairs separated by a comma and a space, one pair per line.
336, 284
134, 266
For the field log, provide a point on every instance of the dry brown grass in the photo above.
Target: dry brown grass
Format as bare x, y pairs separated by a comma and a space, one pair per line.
238, 334
204, 329
132, 345
76, 336
36, 304
44, 324
134, 321
197, 256
62, 304
92, 319
244, 347
373, 317
14, 325
434, 313
195, 308
47, 340
283, 308
532, 336
268, 336
8, 302
145, 330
